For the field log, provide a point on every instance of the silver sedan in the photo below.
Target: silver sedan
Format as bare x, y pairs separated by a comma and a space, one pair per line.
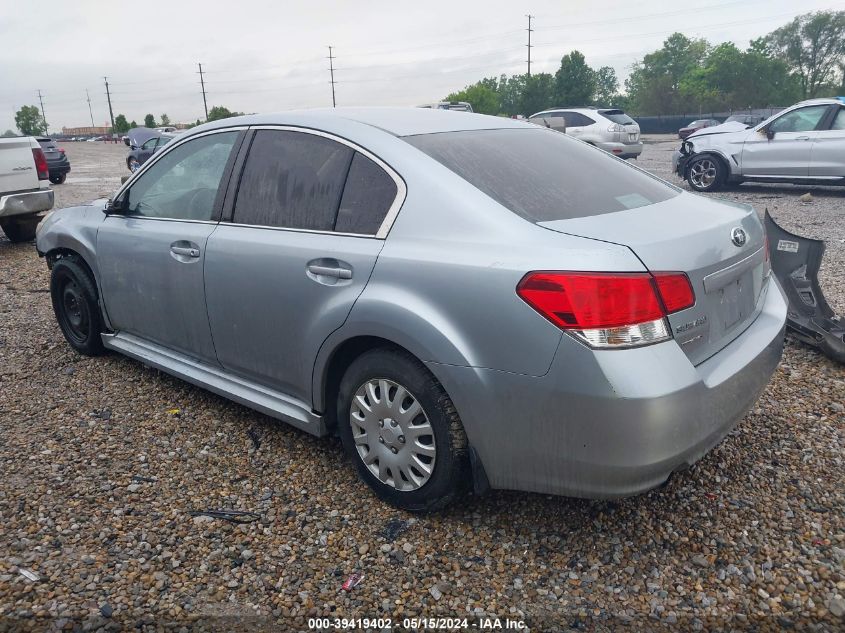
468, 301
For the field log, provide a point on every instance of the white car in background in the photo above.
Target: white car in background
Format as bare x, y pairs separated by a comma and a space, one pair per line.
24, 187
801, 144
609, 129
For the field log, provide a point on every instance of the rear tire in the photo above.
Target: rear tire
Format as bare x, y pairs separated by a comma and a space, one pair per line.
74, 297
20, 228
706, 173
58, 179
421, 464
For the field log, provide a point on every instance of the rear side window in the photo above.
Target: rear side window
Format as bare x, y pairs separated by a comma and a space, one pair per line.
617, 116
292, 180
543, 175
367, 197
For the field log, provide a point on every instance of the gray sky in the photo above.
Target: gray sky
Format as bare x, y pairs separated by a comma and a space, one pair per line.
266, 55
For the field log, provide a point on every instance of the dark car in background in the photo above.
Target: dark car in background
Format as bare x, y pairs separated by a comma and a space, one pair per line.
144, 143
56, 160
695, 126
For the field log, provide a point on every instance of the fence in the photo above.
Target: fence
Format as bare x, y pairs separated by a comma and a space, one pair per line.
671, 123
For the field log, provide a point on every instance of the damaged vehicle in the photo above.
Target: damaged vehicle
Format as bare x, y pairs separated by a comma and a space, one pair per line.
467, 300
143, 143
803, 144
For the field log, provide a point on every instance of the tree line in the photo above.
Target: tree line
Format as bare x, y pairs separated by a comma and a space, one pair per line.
802, 59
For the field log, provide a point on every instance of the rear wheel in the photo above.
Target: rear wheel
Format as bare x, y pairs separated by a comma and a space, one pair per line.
401, 430
58, 179
74, 296
20, 228
706, 173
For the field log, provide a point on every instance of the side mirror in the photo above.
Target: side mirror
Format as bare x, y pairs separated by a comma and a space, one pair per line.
126, 140
114, 206
770, 133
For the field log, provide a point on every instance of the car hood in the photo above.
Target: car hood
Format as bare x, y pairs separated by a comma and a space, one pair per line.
140, 135
724, 128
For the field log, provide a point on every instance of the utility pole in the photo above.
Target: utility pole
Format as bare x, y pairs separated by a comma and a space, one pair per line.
43, 116
530, 30
202, 83
331, 71
90, 111
108, 96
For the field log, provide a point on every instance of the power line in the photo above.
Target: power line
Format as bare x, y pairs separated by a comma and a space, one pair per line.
90, 111
204, 102
43, 116
331, 71
108, 96
530, 17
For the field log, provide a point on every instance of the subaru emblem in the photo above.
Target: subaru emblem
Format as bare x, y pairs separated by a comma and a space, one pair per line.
738, 236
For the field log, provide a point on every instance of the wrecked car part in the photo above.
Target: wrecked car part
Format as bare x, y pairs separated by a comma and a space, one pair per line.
795, 262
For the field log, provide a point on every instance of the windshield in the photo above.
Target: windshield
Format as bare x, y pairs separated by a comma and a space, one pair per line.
617, 116
543, 175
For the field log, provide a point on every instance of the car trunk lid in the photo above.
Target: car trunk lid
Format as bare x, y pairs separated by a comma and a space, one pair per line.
691, 234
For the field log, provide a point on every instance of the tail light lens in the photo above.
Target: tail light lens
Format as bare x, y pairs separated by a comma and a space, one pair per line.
608, 310
41, 164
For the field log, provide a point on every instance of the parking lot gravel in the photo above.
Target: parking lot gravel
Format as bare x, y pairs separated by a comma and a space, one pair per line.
108, 467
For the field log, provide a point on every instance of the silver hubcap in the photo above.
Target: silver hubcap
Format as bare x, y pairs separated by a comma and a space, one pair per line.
392, 434
703, 173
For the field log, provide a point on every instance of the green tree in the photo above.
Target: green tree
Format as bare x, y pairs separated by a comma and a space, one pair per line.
607, 86
483, 98
121, 125
813, 46
30, 122
654, 84
510, 93
165, 120
133, 124
149, 121
219, 112
575, 81
537, 94
8, 134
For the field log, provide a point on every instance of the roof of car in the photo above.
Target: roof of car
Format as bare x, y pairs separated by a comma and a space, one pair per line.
820, 101
396, 121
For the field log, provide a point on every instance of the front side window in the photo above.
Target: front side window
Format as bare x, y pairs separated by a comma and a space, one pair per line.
150, 144
839, 120
183, 183
800, 120
292, 180
541, 175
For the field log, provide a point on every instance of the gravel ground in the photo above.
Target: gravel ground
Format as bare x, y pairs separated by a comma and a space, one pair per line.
103, 460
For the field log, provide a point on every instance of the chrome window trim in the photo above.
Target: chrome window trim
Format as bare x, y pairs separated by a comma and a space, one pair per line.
393, 210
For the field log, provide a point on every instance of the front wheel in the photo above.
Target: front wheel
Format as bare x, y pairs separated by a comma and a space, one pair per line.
74, 296
401, 430
133, 164
20, 228
706, 173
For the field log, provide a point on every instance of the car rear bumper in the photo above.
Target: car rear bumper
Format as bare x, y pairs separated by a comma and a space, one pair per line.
605, 424
26, 202
622, 150
58, 166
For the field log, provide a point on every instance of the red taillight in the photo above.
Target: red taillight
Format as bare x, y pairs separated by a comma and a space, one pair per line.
608, 309
62, 150
675, 291
41, 164
585, 301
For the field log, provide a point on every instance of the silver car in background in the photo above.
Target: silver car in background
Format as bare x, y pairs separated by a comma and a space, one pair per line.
609, 129
801, 144
469, 301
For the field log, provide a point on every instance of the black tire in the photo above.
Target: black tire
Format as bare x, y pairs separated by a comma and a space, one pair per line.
74, 296
20, 228
132, 160
449, 474
706, 173
58, 179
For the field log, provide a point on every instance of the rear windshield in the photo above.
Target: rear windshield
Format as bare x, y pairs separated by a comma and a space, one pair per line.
543, 175
617, 116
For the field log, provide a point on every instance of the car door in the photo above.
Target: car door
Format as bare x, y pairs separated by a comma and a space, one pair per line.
151, 249
787, 152
827, 158
306, 229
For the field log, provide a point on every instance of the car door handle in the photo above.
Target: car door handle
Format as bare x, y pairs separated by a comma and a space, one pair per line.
186, 251
802, 138
330, 271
